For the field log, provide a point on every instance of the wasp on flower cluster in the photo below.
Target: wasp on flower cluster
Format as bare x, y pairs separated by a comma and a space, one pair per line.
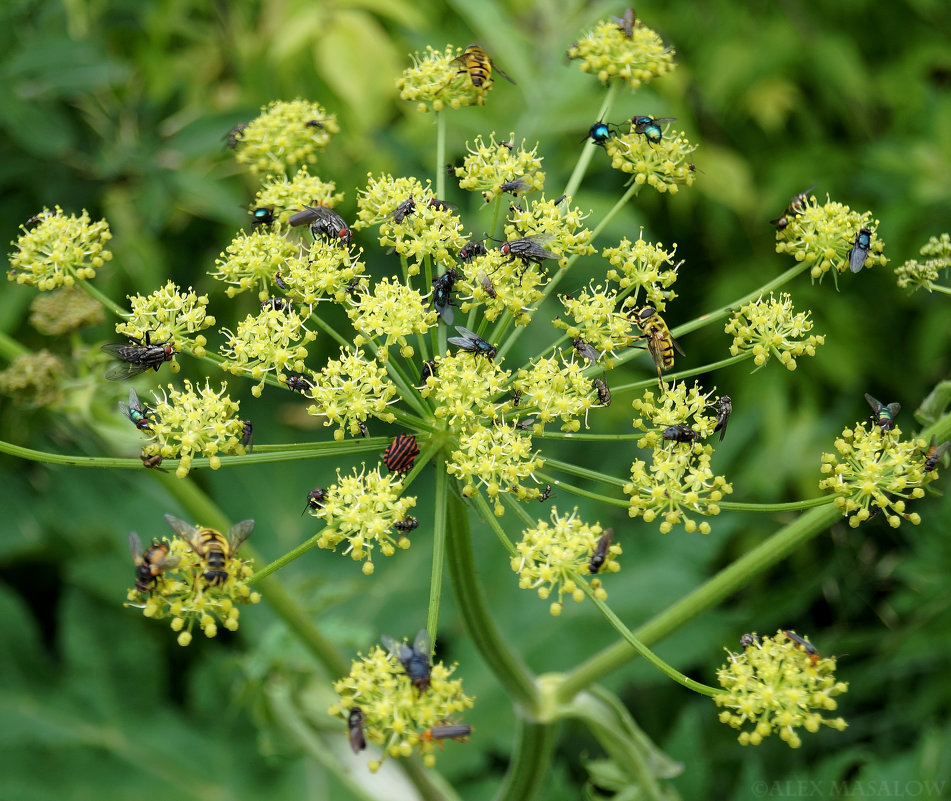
808, 647
455, 731
660, 344
133, 410
150, 562
213, 549
475, 62
137, 357
324, 223
414, 658
473, 343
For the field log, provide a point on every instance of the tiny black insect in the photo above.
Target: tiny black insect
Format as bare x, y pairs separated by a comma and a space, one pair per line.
364, 431
935, 452
546, 494
299, 383
472, 249
428, 371
406, 524
601, 551
314, 124
401, 453
585, 350
723, 416
355, 727
749, 639
515, 187
401, 212
277, 304
247, 436
680, 433
442, 294
315, 499
233, 137
604, 394
441, 205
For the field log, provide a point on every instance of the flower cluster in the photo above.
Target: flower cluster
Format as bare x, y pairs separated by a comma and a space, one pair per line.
284, 136
363, 509
875, 472
767, 328
392, 311
595, 321
274, 341
678, 405
914, 274
169, 315
185, 423
395, 715
644, 266
497, 457
635, 53
439, 79
823, 236
557, 390
776, 686
665, 165
487, 168
64, 310
465, 387
501, 284
555, 223
326, 271
252, 260
59, 250
179, 587
350, 389
284, 197
557, 557
34, 379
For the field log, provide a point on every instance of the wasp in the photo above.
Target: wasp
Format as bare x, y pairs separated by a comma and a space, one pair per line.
473, 343
455, 731
414, 658
859, 252
137, 357
247, 436
795, 207
546, 494
150, 563
723, 415
626, 23
401, 453
585, 351
133, 410
233, 137
263, 216
428, 371
277, 304
808, 647
515, 186
749, 639
472, 249
680, 433
604, 394
442, 294
660, 344
600, 132
935, 452
650, 127
315, 499
601, 551
406, 524
355, 730
403, 211
529, 249
476, 63
884, 415
299, 383
214, 550
324, 223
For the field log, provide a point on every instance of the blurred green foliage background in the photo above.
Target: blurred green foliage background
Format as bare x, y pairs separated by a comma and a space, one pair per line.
120, 107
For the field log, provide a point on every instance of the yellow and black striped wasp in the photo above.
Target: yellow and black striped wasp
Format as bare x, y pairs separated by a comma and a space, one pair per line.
475, 62
214, 550
660, 344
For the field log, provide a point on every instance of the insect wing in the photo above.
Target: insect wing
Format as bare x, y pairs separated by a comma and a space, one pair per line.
122, 371
238, 533
857, 258
893, 409
304, 216
446, 312
468, 339
875, 404
421, 644
395, 647
184, 530
501, 72
135, 545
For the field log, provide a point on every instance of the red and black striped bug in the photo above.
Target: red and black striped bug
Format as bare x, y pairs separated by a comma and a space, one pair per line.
401, 453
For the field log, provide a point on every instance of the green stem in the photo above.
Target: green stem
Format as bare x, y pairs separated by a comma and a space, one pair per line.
440, 155
10, 349
501, 660
488, 515
706, 596
441, 525
588, 151
529, 771
583, 472
286, 559
621, 502
793, 506
939, 288
106, 301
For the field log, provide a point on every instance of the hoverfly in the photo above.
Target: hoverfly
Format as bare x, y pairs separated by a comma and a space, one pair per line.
585, 351
137, 357
233, 137
660, 344
680, 433
749, 639
476, 63
600, 132
455, 731
247, 436
529, 249
859, 252
324, 223
650, 127
884, 415
472, 249
214, 550
414, 658
442, 294
473, 343
401, 453
935, 452
601, 551
723, 415
355, 730
604, 394
626, 23
406, 524
403, 211
315, 499
262, 216
795, 207
278, 305
133, 410
428, 371
299, 383
808, 647
150, 563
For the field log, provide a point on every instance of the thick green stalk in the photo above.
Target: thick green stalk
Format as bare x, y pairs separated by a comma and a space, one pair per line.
529, 772
10, 348
583, 472
588, 151
440, 526
501, 660
706, 596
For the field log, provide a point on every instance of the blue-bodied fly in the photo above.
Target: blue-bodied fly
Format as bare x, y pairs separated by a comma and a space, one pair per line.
859, 251
473, 343
414, 658
133, 410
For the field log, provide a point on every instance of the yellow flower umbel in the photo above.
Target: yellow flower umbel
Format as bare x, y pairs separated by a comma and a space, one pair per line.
558, 224
595, 321
875, 472
770, 328
252, 260
678, 405
284, 136
488, 167
64, 310
59, 250
286, 197
500, 284
274, 341
182, 593
326, 272
34, 379
822, 236
464, 388
644, 266
608, 52
349, 390
916, 275
169, 314
776, 686
556, 390
435, 81
664, 165
397, 716
556, 557
186, 423
393, 311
